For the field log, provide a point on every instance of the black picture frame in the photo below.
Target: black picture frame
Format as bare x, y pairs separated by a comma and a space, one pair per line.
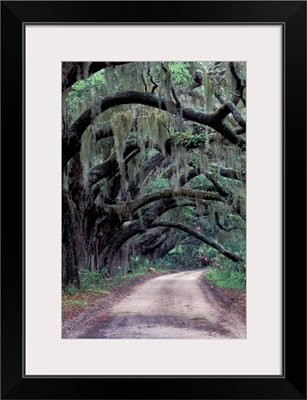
292, 383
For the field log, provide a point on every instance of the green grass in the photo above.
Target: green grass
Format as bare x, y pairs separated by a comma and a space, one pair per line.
76, 303
98, 291
96, 282
226, 277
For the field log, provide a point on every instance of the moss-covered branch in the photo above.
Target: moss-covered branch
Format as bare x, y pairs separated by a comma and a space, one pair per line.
73, 135
171, 193
200, 236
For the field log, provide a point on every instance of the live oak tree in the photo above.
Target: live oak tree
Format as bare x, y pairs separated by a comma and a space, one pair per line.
153, 155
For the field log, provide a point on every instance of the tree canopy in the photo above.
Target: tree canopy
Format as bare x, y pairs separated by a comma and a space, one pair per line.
154, 163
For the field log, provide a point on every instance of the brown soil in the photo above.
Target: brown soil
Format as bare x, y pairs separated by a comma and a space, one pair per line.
180, 305
75, 304
232, 299
97, 302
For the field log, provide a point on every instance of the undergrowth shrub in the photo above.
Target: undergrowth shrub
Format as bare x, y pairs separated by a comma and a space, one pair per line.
139, 265
225, 273
96, 280
90, 280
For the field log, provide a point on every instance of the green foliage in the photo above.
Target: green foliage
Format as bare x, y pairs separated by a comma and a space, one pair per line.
82, 94
164, 264
180, 73
189, 139
225, 274
236, 243
227, 278
84, 89
95, 281
209, 251
176, 250
90, 280
187, 213
200, 182
138, 263
82, 303
71, 290
156, 185
193, 145
182, 257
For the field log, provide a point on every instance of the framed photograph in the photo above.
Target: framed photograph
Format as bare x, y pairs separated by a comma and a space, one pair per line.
156, 193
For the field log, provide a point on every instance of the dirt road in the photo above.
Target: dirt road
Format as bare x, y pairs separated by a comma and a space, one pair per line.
173, 306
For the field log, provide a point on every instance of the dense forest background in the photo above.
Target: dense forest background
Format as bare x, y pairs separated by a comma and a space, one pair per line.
154, 167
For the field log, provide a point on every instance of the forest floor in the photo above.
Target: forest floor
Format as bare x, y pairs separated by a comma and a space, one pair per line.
181, 305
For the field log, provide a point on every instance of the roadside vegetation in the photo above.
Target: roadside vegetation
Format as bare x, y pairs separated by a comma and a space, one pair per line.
227, 277
154, 174
94, 285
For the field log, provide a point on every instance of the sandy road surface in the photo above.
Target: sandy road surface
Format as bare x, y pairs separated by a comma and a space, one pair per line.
166, 307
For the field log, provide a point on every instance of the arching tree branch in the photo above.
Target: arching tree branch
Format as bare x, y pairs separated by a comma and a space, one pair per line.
200, 236
75, 132
170, 193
